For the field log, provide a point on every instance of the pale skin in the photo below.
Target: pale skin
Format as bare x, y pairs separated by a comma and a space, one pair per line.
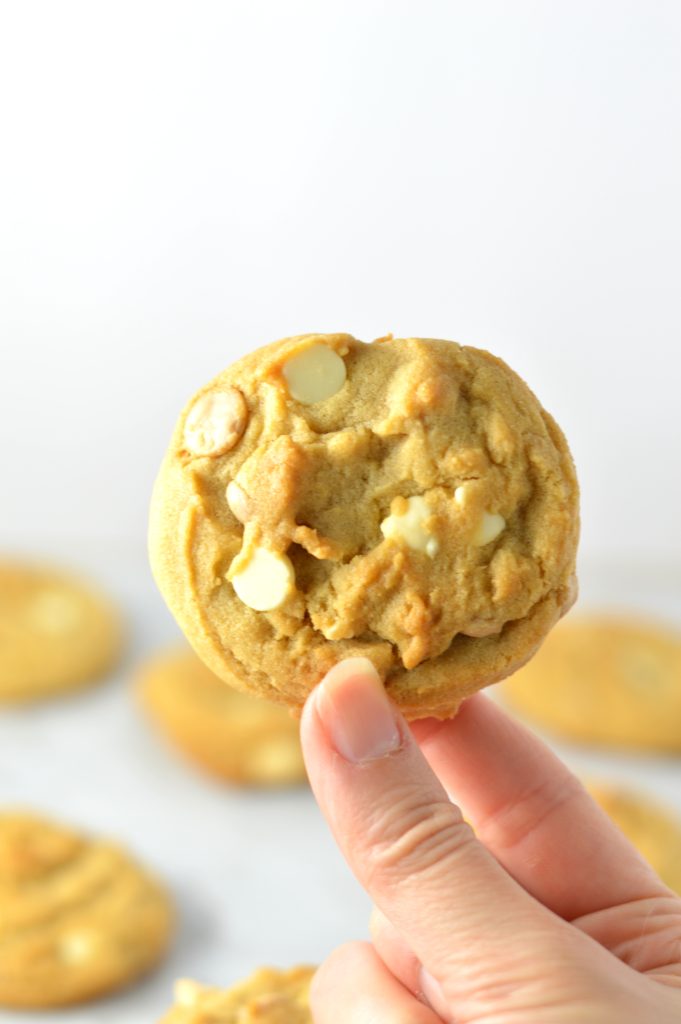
545, 914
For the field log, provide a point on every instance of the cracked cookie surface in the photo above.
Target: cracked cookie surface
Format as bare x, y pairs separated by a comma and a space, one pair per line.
56, 632
79, 917
407, 500
230, 734
268, 996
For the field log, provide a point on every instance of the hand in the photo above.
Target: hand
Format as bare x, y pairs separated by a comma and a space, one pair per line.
544, 914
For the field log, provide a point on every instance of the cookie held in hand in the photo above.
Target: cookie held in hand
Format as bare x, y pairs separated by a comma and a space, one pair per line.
407, 500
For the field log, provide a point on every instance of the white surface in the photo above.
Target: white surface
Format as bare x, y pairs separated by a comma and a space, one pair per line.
256, 875
182, 181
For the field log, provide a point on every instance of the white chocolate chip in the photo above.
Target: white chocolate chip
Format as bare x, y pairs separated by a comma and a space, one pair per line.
314, 374
265, 581
75, 947
461, 495
237, 501
215, 422
432, 547
409, 526
187, 992
489, 528
54, 611
277, 758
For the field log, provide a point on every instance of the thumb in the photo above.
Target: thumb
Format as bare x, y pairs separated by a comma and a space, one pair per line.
471, 926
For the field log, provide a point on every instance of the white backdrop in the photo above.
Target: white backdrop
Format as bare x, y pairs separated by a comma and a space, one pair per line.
182, 181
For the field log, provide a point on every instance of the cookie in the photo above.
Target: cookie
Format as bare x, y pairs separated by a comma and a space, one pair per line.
231, 735
267, 997
606, 679
56, 633
79, 918
653, 830
407, 500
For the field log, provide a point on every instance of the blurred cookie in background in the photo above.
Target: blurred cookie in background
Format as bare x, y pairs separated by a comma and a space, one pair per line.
654, 830
57, 633
607, 679
230, 735
79, 916
269, 996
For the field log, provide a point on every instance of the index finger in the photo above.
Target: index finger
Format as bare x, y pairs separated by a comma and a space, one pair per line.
532, 813
409, 846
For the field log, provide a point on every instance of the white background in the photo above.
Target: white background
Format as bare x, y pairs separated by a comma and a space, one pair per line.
180, 182
183, 181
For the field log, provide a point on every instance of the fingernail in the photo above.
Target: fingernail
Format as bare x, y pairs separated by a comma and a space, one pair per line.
432, 994
356, 713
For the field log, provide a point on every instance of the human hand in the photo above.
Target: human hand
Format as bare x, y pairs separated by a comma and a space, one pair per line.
544, 915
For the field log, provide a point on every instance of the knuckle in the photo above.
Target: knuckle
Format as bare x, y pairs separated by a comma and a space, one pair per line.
516, 821
412, 837
515, 983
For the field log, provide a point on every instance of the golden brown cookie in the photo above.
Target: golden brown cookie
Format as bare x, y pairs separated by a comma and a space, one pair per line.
232, 735
56, 632
267, 997
653, 830
407, 500
78, 917
608, 679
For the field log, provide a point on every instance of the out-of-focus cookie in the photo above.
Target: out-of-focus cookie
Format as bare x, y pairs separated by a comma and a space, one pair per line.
653, 830
607, 679
267, 997
231, 735
78, 917
407, 500
56, 632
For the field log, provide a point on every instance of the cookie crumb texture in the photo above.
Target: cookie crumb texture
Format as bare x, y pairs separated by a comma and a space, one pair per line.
267, 997
232, 735
607, 678
56, 633
79, 918
407, 500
